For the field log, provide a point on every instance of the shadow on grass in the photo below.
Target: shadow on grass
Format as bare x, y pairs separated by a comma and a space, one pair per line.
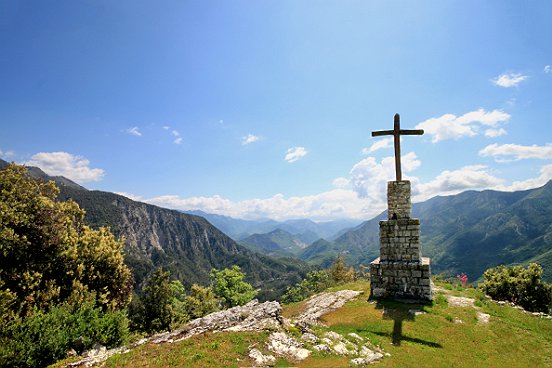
400, 312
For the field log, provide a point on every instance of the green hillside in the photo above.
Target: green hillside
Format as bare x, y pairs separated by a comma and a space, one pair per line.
468, 232
444, 334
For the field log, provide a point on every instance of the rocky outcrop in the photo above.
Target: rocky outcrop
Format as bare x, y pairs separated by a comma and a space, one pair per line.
255, 316
323, 303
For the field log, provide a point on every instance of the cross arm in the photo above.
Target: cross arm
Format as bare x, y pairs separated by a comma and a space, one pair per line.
407, 132
382, 132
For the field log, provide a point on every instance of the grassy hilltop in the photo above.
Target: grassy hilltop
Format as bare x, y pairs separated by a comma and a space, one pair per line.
445, 335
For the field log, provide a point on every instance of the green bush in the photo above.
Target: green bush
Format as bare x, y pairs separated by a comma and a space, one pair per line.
522, 286
45, 337
231, 289
314, 282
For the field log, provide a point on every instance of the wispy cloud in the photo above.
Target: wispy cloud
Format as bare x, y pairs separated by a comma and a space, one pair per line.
65, 164
493, 133
509, 80
455, 181
177, 137
134, 131
450, 126
516, 152
7, 154
175, 133
295, 153
547, 69
341, 182
250, 138
379, 144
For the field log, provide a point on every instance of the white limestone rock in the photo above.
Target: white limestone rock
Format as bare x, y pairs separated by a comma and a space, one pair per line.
260, 359
282, 344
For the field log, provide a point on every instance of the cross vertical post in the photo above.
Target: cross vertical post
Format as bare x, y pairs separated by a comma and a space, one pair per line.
397, 144
396, 133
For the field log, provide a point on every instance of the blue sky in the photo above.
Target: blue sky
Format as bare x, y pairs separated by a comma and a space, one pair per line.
265, 108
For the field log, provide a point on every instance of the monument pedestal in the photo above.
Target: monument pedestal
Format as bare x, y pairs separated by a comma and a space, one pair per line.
400, 271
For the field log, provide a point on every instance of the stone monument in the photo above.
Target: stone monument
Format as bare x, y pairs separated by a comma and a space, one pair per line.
400, 271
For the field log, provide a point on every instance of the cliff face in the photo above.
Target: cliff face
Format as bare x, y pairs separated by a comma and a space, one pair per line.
187, 245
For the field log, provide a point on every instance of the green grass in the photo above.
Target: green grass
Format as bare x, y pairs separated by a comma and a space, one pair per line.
511, 339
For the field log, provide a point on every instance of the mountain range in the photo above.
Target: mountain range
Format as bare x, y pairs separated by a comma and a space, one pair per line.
468, 232
303, 229
186, 245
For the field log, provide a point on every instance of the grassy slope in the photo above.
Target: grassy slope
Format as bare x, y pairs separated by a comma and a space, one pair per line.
511, 339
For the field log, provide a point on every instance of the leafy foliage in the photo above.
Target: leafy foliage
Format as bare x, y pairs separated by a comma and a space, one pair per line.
201, 301
317, 281
45, 336
229, 286
165, 305
59, 279
314, 282
519, 285
48, 255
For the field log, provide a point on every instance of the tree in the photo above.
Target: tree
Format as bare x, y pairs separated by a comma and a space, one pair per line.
157, 314
229, 286
522, 286
201, 301
47, 253
339, 271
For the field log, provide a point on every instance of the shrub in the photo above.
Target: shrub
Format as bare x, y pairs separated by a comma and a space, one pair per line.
229, 286
44, 337
314, 282
522, 286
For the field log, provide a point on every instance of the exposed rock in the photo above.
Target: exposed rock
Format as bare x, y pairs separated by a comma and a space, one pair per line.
483, 318
282, 344
309, 337
96, 351
333, 335
460, 301
355, 336
320, 304
260, 359
416, 312
322, 348
71, 353
458, 321
250, 317
341, 349
326, 341
253, 316
366, 360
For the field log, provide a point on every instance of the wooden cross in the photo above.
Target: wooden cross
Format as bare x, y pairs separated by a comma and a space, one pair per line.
396, 133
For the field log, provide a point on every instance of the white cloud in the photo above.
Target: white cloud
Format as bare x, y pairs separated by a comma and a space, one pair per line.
335, 204
449, 126
380, 144
166, 127
65, 164
176, 134
545, 175
509, 80
456, 181
295, 153
340, 182
547, 69
369, 178
493, 133
134, 131
130, 196
250, 138
7, 154
515, 152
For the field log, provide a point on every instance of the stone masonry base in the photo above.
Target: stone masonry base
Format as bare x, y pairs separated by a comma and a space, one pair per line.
401, 279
